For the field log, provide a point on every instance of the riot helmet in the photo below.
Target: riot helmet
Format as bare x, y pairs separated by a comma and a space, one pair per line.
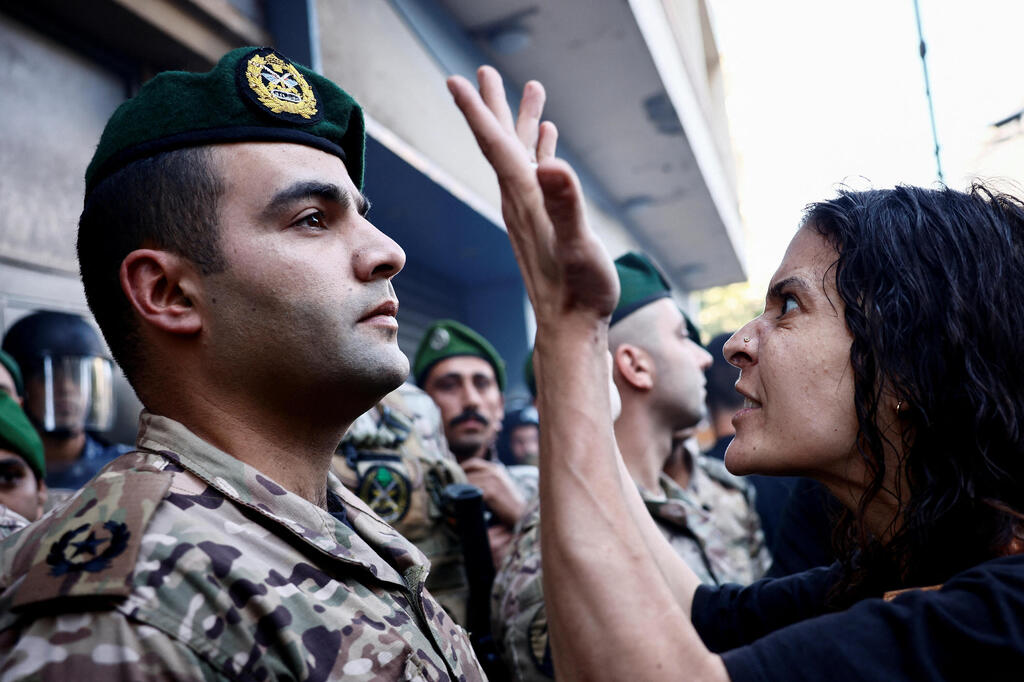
67, 370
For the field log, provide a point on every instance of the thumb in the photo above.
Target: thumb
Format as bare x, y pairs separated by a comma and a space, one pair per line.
563, 197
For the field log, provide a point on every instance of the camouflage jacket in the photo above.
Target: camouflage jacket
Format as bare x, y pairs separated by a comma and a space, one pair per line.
526, 478
721, 542
712, 524
178, 561
395, 457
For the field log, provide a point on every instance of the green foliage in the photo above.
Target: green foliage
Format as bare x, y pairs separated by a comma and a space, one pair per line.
726, 309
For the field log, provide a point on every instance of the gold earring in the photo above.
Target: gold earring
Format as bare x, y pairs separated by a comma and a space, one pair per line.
746, 339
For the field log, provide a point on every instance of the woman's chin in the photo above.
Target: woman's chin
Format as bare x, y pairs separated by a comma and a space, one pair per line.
738, 460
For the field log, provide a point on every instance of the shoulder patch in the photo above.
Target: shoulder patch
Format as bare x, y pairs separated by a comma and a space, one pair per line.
89, 548
387, 492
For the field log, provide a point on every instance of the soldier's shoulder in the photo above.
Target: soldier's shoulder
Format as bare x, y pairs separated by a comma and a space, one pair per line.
522, 565
413, 401
527, 479
716, 471
85, 549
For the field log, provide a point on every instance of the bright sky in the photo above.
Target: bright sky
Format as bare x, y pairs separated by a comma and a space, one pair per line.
824, 92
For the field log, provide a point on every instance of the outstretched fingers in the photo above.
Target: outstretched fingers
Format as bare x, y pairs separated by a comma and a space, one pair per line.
492, 90
530, 109
547, 142
498, 142
563, 262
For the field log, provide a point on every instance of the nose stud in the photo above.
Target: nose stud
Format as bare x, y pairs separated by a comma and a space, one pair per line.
746, 339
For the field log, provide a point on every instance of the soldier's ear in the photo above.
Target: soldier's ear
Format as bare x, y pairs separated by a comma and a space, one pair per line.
42, 493
634, 366
161, 287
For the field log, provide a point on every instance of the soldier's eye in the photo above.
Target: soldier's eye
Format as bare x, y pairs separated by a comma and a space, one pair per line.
315, 220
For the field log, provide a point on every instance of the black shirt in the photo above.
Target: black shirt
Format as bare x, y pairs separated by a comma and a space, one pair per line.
777, 629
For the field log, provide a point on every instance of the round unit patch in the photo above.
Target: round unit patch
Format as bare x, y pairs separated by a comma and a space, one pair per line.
386, 491
92, 553
277, 87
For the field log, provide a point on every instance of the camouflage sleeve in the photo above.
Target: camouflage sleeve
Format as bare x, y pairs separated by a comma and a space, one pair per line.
96, 646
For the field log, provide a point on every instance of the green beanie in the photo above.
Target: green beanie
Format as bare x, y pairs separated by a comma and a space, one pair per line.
12, 366
18, 435
251, 95
641, 283
448, 338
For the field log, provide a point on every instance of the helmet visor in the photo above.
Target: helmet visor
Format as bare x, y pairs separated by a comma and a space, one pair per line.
69, 393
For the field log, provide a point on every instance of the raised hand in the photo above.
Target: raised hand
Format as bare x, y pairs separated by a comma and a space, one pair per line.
565, 267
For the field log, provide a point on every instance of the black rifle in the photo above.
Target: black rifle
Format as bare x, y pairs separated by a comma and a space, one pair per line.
464, 506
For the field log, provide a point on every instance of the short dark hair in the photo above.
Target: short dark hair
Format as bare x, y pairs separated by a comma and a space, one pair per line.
931, 282
721, 377
168, 201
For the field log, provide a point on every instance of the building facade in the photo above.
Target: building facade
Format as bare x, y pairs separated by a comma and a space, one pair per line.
633, 86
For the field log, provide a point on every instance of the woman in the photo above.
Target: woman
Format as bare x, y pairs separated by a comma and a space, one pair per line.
884, 366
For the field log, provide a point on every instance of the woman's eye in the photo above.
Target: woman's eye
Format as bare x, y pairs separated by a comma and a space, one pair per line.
789, 303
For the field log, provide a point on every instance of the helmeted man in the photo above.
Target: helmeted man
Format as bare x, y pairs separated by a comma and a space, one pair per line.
227, 258
395, 457
658, 368
11, 381
22, 468
69, 393
523, 426
464, 374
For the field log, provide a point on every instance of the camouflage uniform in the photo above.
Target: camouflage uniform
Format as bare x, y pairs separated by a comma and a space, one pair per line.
180, 562
711, 524
396, 459
525, 477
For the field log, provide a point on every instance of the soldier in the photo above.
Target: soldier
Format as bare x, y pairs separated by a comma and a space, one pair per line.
22, 469
524, 435
658, 367
463, 373
69, 394
395, 457
226, 255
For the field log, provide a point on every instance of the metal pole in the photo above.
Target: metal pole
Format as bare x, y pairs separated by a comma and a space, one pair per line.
928, 92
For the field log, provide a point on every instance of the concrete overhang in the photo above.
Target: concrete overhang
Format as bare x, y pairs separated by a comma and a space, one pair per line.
448, 229
628, 112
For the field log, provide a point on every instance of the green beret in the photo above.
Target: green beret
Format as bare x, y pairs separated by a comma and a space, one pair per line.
12, 366
641, 283
529, 376
18, 435
448, 338
251, 95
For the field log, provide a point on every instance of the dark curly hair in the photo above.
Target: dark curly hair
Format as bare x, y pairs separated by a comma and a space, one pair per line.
933, 285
